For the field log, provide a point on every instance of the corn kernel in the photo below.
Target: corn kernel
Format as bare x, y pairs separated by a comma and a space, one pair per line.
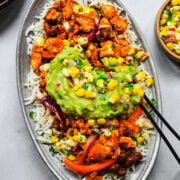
174, 2
114, 98
91, 122
88, 68
88, 53
45, 94
127, 91
131, 51
77, 86
41, 42
107, 133
73, 71
101, 121
165, 16
136, 88
120, 60
89, 94
82, 40
170, 45
58, 148
140, 76
163, 21
140, 140
87, 10
54, 139
90, 78
149, 81
66, 42
100, 83
141, 92
116, 131
139, 55
77, 8
112, 84
71, 157
79, 138
91, 47
120, 67
164, 32
81, 92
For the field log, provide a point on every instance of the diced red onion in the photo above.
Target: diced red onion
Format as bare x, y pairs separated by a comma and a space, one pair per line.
108, 75
130, 59
122, 100
104, 129
73, 63
121, 36
104, 26
88, 145
170, 39
171, 31
56, 109
115, 107
96, 26
88, 1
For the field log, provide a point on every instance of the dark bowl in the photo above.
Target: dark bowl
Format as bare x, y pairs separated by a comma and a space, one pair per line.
5, 3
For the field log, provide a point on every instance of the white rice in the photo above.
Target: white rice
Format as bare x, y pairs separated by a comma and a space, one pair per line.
42, 116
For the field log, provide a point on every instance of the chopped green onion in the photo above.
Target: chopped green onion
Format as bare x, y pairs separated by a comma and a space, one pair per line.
42, 134
85, 86
52, 150
110, 127
68, 152
71, 132
31, 114
113, 45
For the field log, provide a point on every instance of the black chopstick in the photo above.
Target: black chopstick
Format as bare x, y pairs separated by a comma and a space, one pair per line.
161, 133
162, 118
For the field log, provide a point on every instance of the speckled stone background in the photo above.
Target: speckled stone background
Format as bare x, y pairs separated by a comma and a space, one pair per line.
19, 159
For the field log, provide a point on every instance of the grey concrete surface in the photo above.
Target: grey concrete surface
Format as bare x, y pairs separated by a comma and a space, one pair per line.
19, 159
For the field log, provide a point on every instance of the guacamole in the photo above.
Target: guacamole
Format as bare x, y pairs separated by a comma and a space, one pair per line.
84, 91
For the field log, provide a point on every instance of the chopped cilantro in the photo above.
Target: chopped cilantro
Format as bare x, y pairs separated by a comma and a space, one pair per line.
59, 96
81, 138
68, 152
102, 98
109, 33
133, 56
98, 13
113, 46
130, 86
80, 65
169, 17
110, 127
42, 134
135, 139
98, 71
52, 150
71, 132
85, 86
141, 134
31, 114
153, 101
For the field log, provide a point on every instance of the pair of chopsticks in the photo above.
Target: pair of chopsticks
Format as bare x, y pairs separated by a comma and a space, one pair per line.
158, 128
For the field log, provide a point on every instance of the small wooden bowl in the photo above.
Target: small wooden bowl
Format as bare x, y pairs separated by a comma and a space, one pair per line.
168, 52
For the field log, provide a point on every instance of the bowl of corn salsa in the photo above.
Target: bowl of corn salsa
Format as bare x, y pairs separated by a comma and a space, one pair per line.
168, 28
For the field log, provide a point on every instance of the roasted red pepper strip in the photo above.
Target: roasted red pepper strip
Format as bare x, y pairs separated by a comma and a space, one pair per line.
88, 168
135, 115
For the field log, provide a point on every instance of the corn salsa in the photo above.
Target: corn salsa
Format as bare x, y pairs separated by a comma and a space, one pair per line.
170, 26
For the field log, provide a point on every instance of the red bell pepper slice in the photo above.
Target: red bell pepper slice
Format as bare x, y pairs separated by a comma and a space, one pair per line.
81, 168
